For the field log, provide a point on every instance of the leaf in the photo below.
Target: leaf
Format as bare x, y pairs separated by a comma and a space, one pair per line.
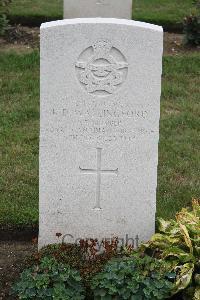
197, 279
164, 240
163, 225
196, 206
197, 293
184, 277
186, 237
177, 252
186, 217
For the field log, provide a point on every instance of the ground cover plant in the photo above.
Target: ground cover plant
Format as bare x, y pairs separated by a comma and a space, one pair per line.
178, 243
168, 13
133, 278
179, 155
50, 280
167, 266
82, 257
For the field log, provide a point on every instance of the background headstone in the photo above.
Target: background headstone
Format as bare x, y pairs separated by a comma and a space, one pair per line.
98, 8
100, 108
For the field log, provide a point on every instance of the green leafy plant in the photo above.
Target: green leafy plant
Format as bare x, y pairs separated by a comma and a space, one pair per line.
82, 257
3, 15
178, 243
166, 266
50, 280
191, 26
133, 278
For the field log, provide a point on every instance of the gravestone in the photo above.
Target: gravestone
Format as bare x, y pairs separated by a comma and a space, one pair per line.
98, 8
100, 108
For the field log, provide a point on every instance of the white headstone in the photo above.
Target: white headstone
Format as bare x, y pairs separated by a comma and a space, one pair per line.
98, 8
100, 108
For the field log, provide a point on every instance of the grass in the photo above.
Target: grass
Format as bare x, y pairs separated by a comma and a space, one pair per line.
28, 12
179, 155
168, 13
19, 115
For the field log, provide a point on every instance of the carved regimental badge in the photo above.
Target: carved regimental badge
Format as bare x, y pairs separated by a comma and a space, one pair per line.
101, 68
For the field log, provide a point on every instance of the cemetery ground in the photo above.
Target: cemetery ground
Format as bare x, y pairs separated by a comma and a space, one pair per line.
179, 155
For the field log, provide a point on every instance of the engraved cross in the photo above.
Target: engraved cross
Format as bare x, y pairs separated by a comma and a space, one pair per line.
99, 173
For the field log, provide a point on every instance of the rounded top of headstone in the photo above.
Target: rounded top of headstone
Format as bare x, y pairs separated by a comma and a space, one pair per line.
102, 21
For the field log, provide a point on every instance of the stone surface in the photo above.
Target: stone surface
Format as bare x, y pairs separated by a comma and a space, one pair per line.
100, 108
98, 8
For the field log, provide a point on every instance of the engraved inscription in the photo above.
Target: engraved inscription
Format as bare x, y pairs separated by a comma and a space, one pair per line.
106, 121
101, 68
99, 173
100, 2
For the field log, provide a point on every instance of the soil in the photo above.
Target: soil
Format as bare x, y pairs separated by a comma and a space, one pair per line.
23, 39
20, 39
12, 260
